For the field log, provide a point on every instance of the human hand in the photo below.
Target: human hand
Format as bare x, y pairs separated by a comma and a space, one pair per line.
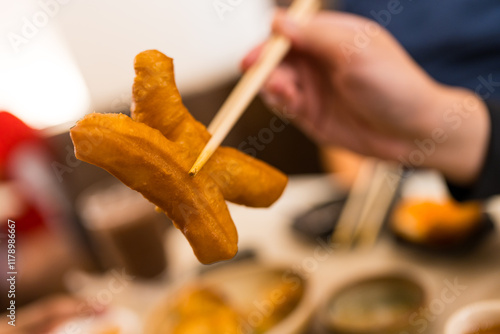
348, 82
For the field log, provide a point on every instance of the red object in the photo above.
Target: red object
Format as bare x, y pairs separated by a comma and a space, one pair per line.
13, 133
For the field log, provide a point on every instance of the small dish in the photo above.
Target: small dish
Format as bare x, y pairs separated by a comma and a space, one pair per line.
320, 221
378, 304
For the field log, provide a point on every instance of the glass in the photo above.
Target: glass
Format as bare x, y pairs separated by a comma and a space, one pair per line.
125, 229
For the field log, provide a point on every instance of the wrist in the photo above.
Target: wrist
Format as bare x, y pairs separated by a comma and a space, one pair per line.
461, 132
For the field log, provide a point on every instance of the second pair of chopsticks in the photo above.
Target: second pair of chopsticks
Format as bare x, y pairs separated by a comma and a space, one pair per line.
367, 205
247, 88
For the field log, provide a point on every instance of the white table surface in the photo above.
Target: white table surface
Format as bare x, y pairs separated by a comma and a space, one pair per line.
268, 231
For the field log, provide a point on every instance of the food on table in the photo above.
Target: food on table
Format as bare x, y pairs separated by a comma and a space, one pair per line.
199, 310
153, 151
435, 223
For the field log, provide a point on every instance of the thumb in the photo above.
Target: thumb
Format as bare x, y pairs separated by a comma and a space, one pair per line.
325, 35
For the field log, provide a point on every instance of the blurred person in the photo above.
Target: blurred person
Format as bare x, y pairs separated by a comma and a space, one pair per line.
45, 247
457, 42
348, 82
465, 55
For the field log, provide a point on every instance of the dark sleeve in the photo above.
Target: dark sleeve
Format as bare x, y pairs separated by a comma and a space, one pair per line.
488, 183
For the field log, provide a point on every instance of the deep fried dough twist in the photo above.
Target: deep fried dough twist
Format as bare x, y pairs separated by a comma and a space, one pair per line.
153, 153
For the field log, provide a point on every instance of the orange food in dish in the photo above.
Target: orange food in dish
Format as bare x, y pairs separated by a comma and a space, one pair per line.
203, 311
211, 310
153, 151
425, 221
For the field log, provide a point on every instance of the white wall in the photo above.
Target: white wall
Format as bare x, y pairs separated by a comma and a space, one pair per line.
102, 38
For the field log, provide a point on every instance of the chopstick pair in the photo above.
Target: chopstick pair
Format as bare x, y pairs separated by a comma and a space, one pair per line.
247, 88
367, 205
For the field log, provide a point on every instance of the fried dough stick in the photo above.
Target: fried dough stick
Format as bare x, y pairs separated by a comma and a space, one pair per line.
146, 161
153, 153
157, 103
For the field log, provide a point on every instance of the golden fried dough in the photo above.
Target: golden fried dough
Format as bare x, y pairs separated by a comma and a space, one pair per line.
146, 161
153, 153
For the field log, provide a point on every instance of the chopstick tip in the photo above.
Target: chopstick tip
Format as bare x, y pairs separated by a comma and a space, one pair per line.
193, 171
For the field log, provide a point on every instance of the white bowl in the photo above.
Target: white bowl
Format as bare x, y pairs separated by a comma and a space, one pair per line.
206, 44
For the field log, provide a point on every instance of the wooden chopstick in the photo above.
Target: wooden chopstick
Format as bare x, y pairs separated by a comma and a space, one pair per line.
378, 202
343, 233
247, 88
367, 204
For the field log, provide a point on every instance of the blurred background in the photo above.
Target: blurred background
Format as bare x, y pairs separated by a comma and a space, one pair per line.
77, 227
